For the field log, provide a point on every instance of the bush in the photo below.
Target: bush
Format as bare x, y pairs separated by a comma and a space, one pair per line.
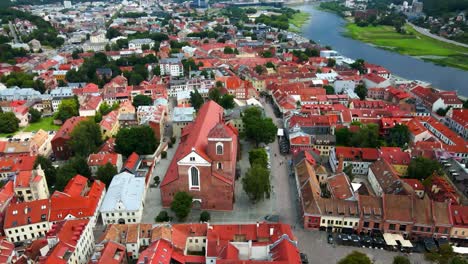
163, 154
163, 216
181, 205
205, 216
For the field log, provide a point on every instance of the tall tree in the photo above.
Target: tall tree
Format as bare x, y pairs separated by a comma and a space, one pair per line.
258, 128
181, 205
86, 138
421, 168
401, 260
399, 136
8, 122
227, 101
214, 95
74, 166
106, 173
34, 115
256, 183
258, 156
196, 100
49, 170
138, 139
361, 91
67, 108
141, 99
355, 257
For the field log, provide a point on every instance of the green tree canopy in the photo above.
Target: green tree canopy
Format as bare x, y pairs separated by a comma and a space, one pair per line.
228, 50
215, 95
181, 205
86, 138
227, 101
106, 173
163, 216
67, 108
142, 100
258, 156
256, 183
49, 170
34, 115
355, 257
74, 166
258, 128
196, 100
329, 89
205, 216
361, 91
399, 136
401, 260
138, 139
8, 122
421, 168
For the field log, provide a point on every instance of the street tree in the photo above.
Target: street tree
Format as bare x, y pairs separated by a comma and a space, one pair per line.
205, 216
141, 99
196, 100
106, 173
258, 156
329, 89
139, 139
258, 128
420, 168
163, 216
256, 183
85, 138
181, 205
9, 123
355, 257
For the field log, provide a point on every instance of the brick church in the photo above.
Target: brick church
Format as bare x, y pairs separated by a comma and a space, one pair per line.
204, 164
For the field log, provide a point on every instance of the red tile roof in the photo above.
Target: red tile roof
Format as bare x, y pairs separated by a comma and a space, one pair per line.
132, 162
398, 207
374, 78
461, 117
77, 199
66, 129
6, 193
6, 250
340, 186
415, 184
91, 103
67, 233
17, 163
395, 155
357, 154
208, 117
26, 213
459, 214
101, 159
113, 253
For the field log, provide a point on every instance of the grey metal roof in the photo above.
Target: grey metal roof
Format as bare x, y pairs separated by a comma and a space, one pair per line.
183, 114
125, 189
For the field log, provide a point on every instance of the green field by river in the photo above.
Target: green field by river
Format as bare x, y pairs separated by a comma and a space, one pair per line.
412, 43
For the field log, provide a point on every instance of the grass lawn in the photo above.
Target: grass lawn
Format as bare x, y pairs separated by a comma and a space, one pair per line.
412, 43
299, 19
46, 123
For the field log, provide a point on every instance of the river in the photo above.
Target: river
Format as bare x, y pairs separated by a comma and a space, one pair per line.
326, 28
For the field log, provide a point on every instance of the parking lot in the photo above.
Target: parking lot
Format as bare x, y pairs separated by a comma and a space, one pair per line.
315, 245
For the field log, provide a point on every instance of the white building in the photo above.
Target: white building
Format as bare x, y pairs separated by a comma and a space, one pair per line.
329, 53
138, 43
172, 67
71, 241
457, 120
27, 221
31, 185
124, 200
359, 158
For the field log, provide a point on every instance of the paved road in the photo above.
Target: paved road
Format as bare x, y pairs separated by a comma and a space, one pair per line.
426, 32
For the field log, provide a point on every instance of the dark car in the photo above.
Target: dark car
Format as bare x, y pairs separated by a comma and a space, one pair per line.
429, 244
343, 239
304, 259
330, 239
378, 242
367, 241
441, 241
355, 240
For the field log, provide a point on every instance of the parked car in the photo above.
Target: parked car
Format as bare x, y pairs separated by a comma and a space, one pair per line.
304, 258
330, 239
429, 244
367, 241
355, 240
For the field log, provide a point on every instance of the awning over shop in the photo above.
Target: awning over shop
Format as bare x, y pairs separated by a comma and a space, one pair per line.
280, 132
389, 239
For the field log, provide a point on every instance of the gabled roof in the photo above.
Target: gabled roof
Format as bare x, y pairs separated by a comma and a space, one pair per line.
386, 177
340, 186
66, 129
125, 189
398, 207
26, 213
209, 115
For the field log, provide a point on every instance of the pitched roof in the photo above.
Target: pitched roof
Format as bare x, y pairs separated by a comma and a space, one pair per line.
66, 129
208, 117
357, 154
6, 193
101, 159
386, 177
340, 186
113, 253
26, 213
126, 189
